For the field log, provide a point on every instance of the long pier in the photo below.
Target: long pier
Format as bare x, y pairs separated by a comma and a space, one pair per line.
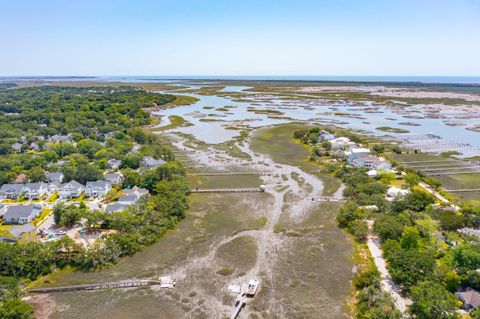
229, 190
108, 285
463, 190
228, 174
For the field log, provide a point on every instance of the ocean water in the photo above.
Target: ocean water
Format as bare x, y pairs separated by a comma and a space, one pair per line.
342, 78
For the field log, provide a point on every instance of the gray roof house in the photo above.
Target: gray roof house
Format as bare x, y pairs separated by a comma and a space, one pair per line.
97, 189
54, 187
114, 163
55, 176
113, 178
18, 231
60, 138
470, 299
128, 199
70, 190
34, 146
35, 190
21, 214
149, 162
137, 191
11, 191
115, 207
17, 147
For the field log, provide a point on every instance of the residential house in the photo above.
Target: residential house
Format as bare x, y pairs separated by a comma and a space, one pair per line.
149, 162
113, 163
394, 192
113, 178
35, 147
55, 177
115, 207
139, 192
23, 233
470, 299
97, 188
369, 161
17, 147
21, 214
128, 199
11, 191
110, 135
3, 210
54, 187
70, 190
23, 139
35, 190
325, 136
60, 138
341, 142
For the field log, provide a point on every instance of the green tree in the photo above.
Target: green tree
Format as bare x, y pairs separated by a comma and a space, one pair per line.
36, 174
432, 301
15, 309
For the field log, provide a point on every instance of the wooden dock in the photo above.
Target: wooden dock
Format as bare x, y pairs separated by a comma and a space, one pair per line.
107, 285
229, 174
229, 190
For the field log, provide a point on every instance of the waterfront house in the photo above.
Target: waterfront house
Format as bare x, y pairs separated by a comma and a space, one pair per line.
149, 162
70, 190
342, 142
11, 191
55, 177
35, 190
325, 136
113, 163
21, 214
113, 178
97, 188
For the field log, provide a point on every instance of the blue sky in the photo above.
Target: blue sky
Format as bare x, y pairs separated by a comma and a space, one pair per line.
241, 37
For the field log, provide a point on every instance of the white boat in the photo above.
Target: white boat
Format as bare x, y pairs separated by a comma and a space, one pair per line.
252, 287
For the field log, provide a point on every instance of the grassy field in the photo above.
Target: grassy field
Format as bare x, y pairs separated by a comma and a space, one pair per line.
211, 218
278, 142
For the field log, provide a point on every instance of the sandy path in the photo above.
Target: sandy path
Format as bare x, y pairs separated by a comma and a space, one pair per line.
387, 283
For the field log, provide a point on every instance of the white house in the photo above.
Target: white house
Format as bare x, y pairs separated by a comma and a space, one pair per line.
341, 142
35, 190
97, 188
394, 192
70, 190
325, 136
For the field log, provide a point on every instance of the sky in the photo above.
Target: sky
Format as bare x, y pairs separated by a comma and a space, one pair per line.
240, 37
